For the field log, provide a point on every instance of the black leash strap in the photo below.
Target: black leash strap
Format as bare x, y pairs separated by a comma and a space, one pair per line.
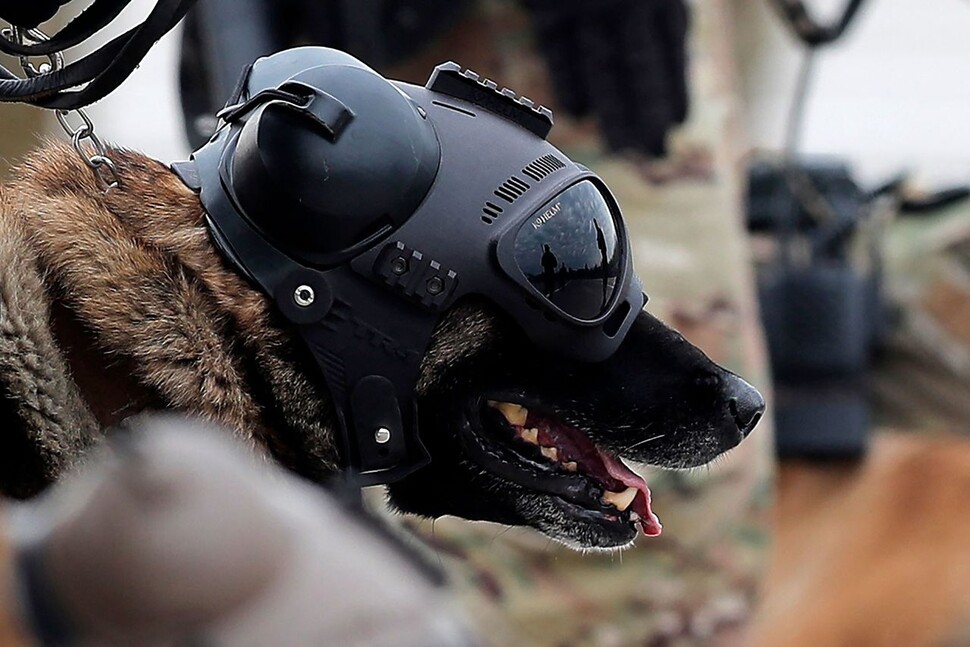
94, 18
29, 13
810, 32
94, 76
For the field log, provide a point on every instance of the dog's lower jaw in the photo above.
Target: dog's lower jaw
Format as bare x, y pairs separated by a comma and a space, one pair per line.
458, 484
546, 513
513, 505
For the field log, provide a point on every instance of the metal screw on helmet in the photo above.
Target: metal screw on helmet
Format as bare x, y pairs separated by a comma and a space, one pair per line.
304, 296
382, 435
435, 285
399, 265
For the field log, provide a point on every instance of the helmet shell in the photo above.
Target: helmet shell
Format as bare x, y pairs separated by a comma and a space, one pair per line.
322, 196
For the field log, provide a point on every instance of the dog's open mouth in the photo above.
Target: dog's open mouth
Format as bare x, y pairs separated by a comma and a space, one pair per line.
548, 456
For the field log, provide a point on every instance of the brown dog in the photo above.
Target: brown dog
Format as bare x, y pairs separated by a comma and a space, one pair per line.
874, 553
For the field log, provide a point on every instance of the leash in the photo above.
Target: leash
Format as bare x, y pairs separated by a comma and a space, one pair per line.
96, 74
67, 89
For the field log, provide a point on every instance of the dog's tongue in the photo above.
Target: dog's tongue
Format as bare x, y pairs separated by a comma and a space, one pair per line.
599, 464
649, 522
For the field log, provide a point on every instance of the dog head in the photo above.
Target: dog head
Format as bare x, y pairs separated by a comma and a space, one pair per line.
521, 437
517, 435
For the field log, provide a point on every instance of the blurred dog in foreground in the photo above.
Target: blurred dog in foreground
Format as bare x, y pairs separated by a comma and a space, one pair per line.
173, 535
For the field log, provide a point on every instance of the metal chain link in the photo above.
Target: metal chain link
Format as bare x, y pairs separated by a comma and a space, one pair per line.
87, 144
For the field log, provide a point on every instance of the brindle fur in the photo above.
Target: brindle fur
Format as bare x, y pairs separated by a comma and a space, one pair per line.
116, 303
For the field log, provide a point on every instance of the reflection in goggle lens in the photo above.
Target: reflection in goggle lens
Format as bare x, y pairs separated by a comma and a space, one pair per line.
568, 251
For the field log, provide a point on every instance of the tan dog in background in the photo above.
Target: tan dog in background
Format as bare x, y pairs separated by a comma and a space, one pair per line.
872, 554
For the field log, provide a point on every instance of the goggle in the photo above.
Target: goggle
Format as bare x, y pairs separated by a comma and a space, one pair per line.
570, 252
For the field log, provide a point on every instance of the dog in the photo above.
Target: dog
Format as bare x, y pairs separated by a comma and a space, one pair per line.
871, 552
117, 302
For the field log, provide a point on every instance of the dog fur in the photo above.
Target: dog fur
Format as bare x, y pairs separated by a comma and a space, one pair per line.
172, 327
116, 302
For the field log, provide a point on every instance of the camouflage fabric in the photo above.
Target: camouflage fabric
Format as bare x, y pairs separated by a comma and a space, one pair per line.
922, 381
696, 583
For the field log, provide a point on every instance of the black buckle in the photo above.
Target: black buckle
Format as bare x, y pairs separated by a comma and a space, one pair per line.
326, 111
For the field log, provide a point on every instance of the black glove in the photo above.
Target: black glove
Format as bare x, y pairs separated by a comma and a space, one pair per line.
623, 61
29, 13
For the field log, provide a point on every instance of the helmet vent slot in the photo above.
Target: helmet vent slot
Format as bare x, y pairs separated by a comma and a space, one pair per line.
490, 212
512, 189
543, 166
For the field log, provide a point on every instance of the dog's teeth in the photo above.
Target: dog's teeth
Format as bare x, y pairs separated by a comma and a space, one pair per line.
634, 516
621, 500
530, 436
514, 413
550, 452
571, 466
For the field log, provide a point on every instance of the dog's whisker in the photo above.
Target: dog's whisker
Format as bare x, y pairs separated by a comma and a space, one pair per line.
644, 442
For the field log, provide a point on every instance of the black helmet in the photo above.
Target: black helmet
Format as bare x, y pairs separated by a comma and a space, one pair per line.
367, 207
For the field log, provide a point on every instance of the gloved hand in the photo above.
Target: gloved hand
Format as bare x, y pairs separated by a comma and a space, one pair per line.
30, 13
623, 61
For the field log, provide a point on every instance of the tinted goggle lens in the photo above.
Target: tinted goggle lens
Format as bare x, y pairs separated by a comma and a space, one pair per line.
570, 251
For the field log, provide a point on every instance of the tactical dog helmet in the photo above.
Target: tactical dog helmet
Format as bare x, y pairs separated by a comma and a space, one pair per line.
365, 208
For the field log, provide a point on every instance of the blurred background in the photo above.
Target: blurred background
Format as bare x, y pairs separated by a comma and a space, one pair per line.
887, 96
818, 246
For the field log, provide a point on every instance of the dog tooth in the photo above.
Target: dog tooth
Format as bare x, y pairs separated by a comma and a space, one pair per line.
530, 435
571, 466
621, 500
550, 452
634, 516
514, 413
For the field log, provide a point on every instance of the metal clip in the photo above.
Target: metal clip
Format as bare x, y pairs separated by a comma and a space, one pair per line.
87, 144
98, 161
55, 60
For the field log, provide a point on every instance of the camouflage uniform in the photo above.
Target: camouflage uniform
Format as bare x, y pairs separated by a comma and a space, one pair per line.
695, 584
17, 133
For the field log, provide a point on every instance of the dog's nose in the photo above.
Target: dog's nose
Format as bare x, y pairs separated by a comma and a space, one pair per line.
745, 404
